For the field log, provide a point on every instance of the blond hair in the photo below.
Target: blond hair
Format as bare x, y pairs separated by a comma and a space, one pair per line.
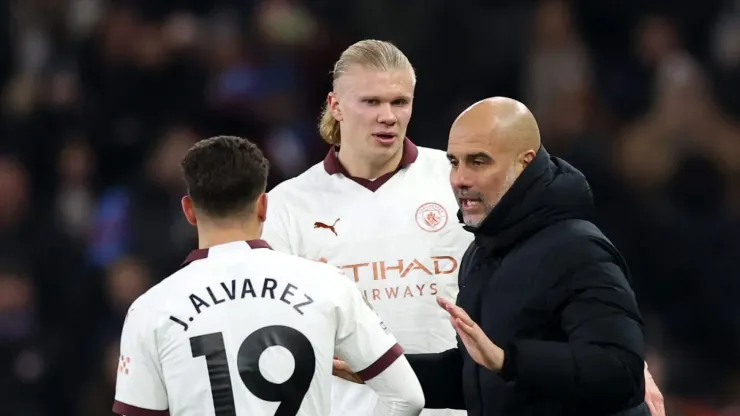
369, 53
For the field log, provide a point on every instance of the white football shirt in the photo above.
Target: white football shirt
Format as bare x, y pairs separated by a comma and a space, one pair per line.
397, 237
244, 330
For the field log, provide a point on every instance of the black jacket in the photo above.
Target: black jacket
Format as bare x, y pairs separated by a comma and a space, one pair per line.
549, 288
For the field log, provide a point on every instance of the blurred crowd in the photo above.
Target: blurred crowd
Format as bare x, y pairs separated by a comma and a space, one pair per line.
100, 100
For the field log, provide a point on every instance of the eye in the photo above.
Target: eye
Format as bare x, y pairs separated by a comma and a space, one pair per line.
371, 101
400, 102
478, 162
453, 162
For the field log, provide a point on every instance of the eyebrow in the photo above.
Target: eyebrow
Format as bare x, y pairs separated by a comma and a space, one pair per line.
396, 98
472, 156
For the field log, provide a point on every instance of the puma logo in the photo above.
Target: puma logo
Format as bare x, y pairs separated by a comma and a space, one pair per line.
331, 228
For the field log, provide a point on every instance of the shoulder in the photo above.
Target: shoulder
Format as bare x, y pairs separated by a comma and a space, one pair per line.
331, 275
579, 258
572, 234
152, 303
305, 190
143, 313
570, 244
433, 160
285, 199
432, 154
306, 181
335, 286
433, 170
310, 270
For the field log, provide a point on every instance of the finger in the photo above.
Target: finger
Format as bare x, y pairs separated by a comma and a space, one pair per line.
323, 260
442, 302
460, 313
351, 377
461, 332
469, 330
342, 370
340, 365
469, 343
457, 322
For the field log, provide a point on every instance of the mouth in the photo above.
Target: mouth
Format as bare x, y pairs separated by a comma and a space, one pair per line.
471, 204
385, 138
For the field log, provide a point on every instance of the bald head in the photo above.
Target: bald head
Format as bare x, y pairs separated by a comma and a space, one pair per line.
490, 144
504, 122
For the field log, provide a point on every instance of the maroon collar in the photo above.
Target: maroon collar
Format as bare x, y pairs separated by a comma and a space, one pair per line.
202, 253
333, 166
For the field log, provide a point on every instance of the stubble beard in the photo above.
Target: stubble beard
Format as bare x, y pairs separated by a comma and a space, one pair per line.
489, 205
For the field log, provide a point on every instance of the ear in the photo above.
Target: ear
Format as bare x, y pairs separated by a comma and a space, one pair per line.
262, 207
332, 102
189, 210
527, 157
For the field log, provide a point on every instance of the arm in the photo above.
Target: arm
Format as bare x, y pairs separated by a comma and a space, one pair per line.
139, 386
364, 343
440, 375
398, 388
603, 358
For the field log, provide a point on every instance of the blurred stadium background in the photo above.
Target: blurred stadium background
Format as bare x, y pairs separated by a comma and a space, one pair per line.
100, 100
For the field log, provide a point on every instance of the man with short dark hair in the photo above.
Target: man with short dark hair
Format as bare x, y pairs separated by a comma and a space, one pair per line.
200, 342
225, 175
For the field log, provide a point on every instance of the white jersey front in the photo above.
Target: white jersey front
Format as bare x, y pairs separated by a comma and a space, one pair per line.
244, 330
398, 238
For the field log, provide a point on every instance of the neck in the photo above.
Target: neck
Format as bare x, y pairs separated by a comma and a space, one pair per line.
360, 166
210, 235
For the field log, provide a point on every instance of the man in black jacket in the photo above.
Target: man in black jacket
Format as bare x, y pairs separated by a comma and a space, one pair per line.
558, 329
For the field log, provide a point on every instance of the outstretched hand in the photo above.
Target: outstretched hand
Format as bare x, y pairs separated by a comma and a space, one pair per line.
481, 349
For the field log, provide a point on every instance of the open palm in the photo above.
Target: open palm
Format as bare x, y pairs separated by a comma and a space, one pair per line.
481, 349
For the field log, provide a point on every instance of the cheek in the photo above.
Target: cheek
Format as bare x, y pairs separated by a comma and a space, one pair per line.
493, 183
403, 115
357, 116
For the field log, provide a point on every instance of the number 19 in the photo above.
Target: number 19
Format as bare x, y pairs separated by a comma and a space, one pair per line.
290, 394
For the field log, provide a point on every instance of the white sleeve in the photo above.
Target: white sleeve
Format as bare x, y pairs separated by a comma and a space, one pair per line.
364, 342
139, 386
398, 389
276, 228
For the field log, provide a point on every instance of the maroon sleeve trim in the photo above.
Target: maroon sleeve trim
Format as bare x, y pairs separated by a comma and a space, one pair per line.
381, 363
128, 410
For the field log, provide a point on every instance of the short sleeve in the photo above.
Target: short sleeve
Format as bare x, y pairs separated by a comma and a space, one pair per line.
363, 340
140, 389
276, 226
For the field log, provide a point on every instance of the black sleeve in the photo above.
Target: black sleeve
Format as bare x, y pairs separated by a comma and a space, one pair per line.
603, 360
440, 376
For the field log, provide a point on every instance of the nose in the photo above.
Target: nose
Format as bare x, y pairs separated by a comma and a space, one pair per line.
460, 178
386, 114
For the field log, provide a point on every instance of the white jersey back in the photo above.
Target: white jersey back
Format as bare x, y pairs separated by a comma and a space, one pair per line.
400, 242
244, 330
